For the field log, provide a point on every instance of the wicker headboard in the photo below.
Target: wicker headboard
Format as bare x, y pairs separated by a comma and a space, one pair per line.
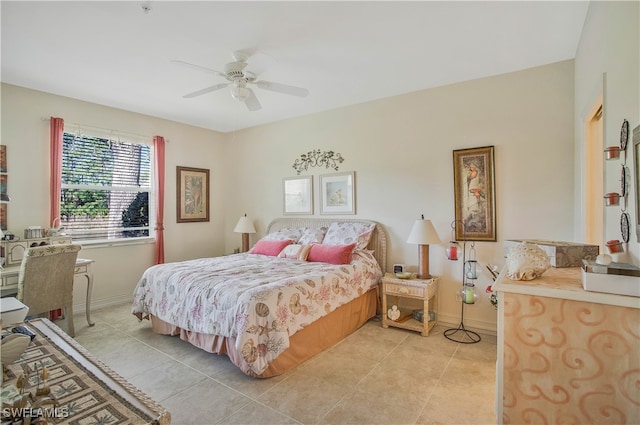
378, 242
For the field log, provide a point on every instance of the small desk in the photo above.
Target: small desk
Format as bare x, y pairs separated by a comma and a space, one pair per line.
9, 282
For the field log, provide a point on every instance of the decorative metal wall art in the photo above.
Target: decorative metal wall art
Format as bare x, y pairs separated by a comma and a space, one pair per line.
624, 188
636, 182
316, 158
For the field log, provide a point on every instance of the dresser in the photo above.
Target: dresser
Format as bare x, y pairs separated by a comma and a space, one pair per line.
566, 355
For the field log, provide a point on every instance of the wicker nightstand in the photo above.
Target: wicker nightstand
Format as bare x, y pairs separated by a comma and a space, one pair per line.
402, 289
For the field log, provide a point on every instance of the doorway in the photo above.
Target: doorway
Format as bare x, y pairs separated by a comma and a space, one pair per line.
594, 173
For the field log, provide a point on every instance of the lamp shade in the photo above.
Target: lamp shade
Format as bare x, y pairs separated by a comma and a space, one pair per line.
423, 233
244, 225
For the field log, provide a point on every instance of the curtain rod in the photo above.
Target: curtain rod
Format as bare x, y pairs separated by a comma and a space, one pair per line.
107, 130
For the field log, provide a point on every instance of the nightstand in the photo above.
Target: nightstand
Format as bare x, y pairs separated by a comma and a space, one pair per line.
397, 292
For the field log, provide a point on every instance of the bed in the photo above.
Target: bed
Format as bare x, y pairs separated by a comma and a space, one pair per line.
303, 287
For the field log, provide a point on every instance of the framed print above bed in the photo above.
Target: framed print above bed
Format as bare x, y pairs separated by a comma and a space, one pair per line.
297, 195
474, 194
192, 197
338, 193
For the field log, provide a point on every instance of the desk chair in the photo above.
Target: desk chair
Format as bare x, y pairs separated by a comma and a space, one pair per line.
45, 281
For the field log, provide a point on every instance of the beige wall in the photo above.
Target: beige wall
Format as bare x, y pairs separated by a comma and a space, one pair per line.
607, 66
117, 269
401, 150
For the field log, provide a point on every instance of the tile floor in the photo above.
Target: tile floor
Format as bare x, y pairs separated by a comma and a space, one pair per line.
375, 376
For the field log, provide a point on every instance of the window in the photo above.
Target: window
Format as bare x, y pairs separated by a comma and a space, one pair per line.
106, 189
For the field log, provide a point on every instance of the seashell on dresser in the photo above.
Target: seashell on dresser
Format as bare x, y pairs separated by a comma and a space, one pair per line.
526, 261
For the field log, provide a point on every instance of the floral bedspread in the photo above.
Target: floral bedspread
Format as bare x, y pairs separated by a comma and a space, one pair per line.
259, 300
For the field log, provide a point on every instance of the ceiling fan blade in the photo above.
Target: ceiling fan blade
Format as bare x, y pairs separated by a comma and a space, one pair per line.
252, 101
258, 62
198, 67
205, 90
283, 88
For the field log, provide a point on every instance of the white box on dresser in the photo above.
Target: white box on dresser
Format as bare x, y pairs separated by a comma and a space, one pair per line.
614, 278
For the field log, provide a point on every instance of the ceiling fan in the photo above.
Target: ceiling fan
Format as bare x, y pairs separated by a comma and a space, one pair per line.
239, 74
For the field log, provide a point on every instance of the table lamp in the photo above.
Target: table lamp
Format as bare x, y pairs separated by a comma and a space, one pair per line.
423, 234
245, 226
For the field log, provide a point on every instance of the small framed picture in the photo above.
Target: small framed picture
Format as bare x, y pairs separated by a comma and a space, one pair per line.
192, 197
297, 195
338, 193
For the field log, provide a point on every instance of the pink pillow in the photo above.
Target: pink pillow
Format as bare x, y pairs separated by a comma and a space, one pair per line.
272, 248
333, 254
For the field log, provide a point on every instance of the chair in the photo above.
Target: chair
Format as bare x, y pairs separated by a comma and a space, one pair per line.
45, 281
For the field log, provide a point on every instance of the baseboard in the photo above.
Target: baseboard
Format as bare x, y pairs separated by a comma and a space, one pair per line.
482, 327
479, 326
103, 303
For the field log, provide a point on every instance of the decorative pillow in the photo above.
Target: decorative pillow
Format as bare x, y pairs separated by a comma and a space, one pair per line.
271, 248
342, 233
282, 234
312, 235
295, 251
333, 254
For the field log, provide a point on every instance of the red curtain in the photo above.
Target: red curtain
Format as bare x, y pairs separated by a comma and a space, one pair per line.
158, 144
56, 134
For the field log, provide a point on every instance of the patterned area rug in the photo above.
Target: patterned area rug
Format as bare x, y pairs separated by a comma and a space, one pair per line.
82, 397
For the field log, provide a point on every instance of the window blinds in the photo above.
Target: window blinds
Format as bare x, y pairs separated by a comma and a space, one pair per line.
105, 188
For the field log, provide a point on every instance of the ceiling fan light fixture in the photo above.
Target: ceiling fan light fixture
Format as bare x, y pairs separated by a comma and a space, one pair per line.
240, 93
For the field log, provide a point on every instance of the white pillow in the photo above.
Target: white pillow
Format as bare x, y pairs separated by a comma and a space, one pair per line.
312, 235
287, 233
344, 233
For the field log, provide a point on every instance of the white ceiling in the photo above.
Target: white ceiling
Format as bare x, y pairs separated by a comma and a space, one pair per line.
115, 54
